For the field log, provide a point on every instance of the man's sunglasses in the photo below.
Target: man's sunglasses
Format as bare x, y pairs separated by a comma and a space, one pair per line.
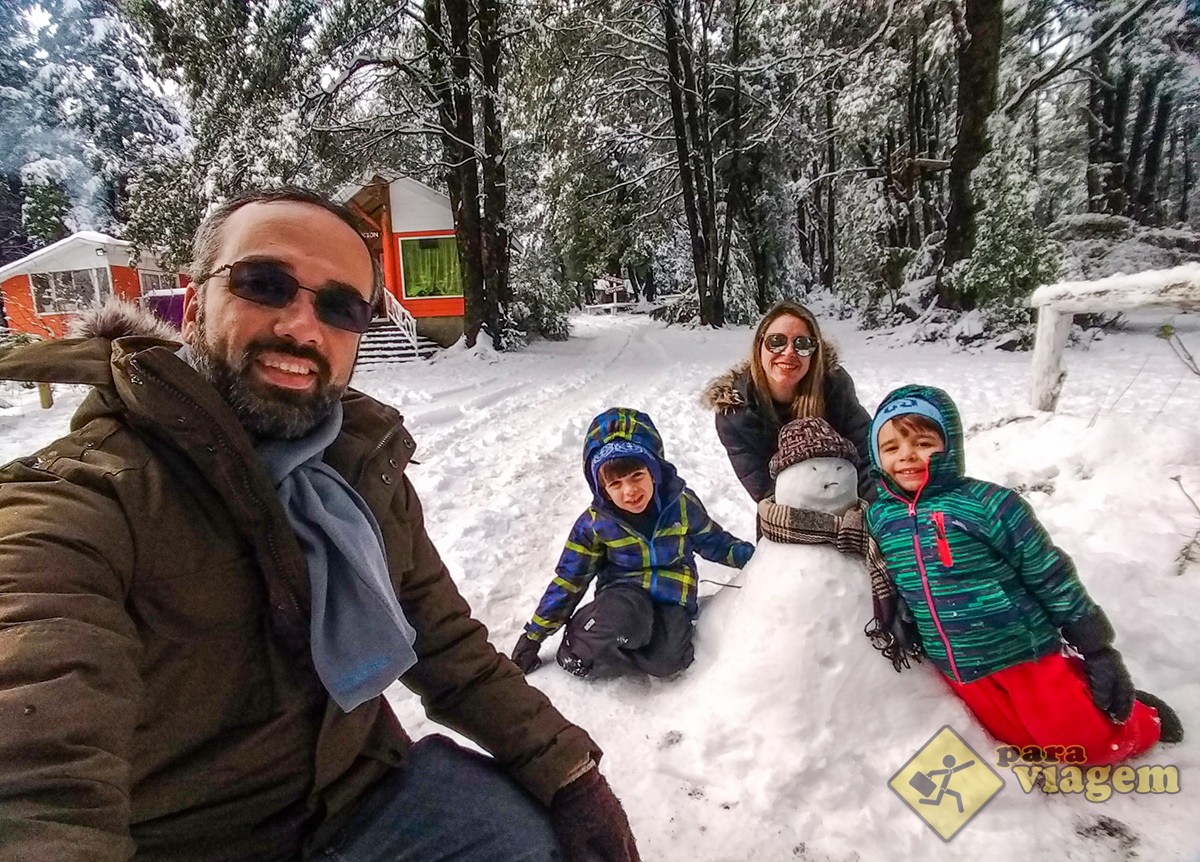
804, 345
269, 284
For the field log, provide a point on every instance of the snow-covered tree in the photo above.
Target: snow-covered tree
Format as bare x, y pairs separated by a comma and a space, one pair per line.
81, 113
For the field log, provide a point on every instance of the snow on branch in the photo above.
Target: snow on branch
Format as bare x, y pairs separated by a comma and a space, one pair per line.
1067, 60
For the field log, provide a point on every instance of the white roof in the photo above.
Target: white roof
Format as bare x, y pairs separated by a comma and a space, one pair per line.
408, 184
43, 260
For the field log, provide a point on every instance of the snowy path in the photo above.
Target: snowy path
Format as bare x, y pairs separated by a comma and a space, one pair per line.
499, 441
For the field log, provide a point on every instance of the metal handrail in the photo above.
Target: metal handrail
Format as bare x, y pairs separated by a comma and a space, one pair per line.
401, 316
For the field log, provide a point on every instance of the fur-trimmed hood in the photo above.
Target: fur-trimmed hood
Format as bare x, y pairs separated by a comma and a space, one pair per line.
85, 355
728, 391
119, 318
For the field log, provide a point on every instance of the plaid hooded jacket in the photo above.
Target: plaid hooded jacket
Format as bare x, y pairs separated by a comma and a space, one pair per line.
986, 585
603, 545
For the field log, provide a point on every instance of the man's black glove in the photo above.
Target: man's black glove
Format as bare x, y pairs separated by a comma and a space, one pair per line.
590, 823
1111, 686
525, 654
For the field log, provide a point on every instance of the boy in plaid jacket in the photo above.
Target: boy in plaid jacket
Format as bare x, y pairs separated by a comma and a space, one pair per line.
637, 539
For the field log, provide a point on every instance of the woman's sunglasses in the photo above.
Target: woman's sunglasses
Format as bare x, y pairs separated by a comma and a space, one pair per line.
804, 345
269, 284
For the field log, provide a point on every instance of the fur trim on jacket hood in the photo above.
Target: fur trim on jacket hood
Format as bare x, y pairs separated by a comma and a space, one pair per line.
118, 318
726, 392
86, 354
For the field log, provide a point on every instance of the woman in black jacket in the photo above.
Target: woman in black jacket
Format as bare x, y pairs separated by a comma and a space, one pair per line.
792, 373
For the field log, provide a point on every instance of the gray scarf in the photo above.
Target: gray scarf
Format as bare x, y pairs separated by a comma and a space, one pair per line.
361, 642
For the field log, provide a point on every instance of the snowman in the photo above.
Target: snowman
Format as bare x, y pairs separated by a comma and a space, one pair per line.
787, 693
801, 603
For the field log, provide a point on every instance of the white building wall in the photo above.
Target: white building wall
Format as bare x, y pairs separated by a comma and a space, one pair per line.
417, 208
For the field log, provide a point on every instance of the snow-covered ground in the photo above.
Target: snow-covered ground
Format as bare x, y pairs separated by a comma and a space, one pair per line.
499, 444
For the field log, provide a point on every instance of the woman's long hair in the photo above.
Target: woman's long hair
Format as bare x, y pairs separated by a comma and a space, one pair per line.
809, 398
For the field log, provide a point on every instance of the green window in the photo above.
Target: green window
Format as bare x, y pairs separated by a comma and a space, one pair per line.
430, 267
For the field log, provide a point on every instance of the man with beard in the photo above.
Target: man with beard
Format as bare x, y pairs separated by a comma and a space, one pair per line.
206, 586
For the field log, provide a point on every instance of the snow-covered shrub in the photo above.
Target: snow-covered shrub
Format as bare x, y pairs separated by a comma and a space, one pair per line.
741, 305
15, 339
1012, 255
872, 275
684, 310
541, 301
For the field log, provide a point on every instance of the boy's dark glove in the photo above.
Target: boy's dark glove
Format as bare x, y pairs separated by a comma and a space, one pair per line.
525, 654
1109, 681
1112, 688
590, 823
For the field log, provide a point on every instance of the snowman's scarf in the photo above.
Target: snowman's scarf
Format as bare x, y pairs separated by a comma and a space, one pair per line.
890, 630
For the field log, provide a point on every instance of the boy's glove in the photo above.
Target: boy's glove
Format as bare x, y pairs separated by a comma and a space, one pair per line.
1112, 688
1109, 681
525, 654
590, 823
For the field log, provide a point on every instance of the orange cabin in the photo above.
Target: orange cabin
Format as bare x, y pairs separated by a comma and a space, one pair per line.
45, 290
412, 234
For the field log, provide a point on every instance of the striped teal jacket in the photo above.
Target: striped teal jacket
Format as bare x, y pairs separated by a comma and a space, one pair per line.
604, 546
986, 585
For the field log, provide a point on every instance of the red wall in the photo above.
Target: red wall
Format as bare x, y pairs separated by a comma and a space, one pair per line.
22, 317
20, 313
125, 283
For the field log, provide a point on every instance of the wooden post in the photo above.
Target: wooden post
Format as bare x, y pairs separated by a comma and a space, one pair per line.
46, 395
1053, 327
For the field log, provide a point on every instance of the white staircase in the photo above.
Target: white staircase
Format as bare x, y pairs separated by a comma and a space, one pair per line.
385, 342
394, 339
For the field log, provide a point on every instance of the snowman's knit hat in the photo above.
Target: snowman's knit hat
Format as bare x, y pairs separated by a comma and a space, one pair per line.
811, 437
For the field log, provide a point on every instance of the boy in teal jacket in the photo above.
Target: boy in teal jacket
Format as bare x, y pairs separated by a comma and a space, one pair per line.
993, 598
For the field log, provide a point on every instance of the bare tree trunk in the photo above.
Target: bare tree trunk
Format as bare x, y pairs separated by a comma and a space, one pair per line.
1145, 204
829, 258
683, 151
1096, 112
731, 197
493, 230
1141, 122
1162, 198
450, 68
1115, 193
1189, 175
978, 68
694, 100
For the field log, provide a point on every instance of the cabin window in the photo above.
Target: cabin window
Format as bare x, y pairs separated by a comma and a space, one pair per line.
157, 282
430, 267
70, 291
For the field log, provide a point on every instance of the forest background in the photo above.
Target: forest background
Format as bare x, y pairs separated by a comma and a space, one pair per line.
928, 160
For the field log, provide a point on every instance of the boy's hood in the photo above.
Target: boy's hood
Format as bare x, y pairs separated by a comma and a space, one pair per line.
631, 426
928, 401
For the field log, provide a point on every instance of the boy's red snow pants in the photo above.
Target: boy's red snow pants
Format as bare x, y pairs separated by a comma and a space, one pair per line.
1047, 702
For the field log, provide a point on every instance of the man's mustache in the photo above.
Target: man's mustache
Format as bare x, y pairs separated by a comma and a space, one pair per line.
289, 348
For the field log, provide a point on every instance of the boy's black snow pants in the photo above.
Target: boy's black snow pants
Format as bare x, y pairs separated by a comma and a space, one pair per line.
625, 628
